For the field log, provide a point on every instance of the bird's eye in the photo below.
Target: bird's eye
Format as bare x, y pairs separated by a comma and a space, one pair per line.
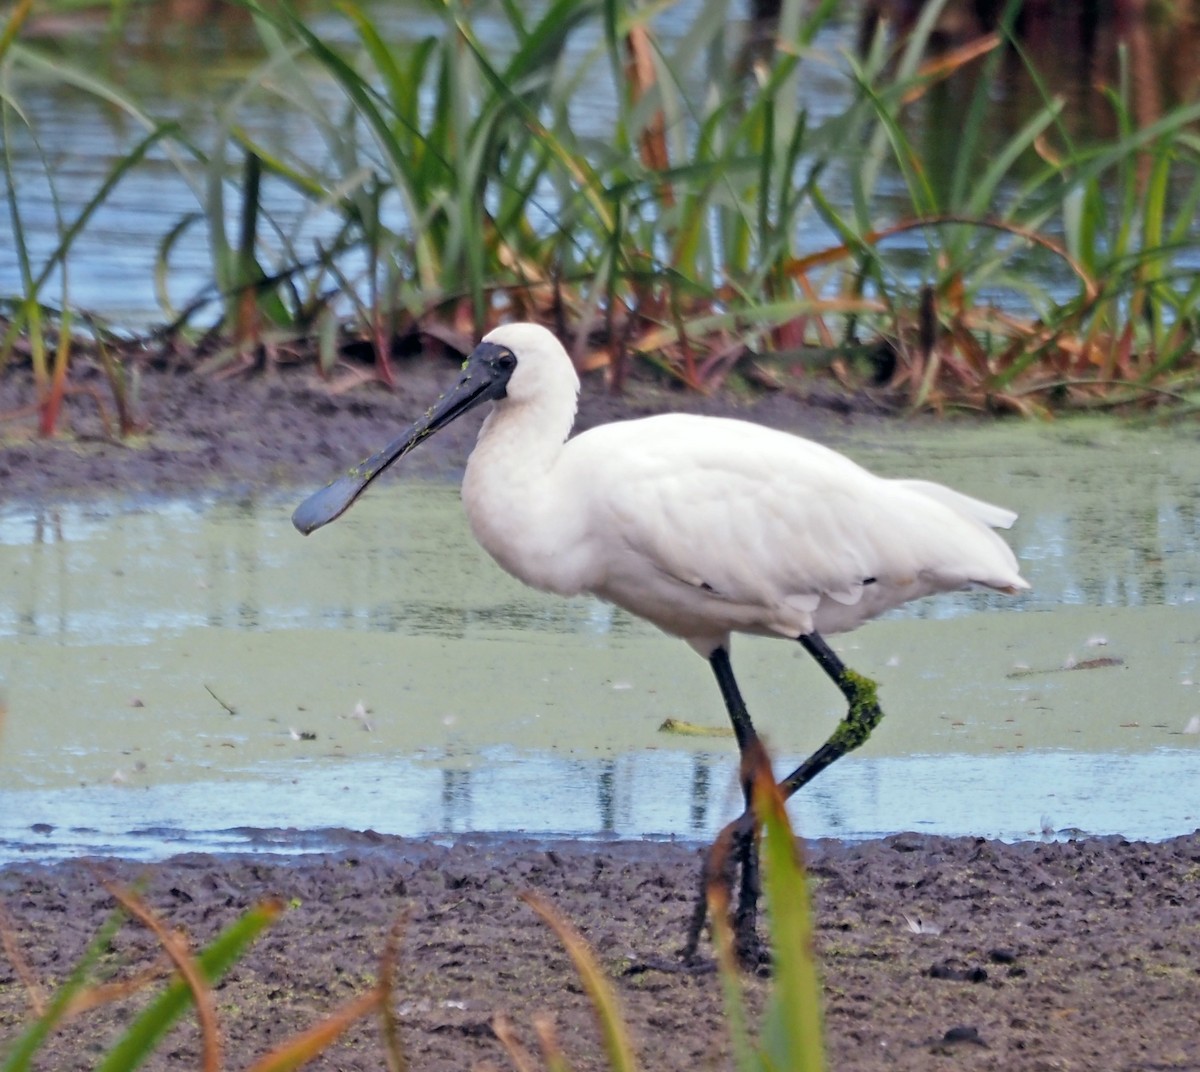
506, 360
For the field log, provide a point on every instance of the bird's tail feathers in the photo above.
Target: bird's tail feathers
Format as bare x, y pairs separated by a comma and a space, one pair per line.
996, 517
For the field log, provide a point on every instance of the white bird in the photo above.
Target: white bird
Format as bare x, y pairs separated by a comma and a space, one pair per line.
702, 525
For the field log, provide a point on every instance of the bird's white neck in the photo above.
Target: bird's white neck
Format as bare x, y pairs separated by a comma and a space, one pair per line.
526, 435
508, 490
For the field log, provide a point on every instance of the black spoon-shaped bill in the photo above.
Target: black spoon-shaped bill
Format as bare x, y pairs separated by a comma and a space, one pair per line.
484, 377
333, 500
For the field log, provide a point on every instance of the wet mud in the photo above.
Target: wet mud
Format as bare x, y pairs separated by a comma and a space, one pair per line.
934, 952
256, 432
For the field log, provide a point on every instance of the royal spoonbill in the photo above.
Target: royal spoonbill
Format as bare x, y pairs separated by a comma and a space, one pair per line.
702, 525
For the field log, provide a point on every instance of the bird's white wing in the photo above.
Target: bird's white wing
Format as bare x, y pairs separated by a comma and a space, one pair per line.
749, 512
996, 517
765, 519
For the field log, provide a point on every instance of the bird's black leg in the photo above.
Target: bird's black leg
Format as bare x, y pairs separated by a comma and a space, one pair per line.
861, 718
744, 855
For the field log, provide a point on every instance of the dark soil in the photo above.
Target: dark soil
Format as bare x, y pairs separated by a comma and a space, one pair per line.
1050, 956
258, 432
1084, 955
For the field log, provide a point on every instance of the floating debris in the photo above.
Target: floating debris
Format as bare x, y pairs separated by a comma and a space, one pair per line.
228, 707
1070, 663
361, 715
691, 729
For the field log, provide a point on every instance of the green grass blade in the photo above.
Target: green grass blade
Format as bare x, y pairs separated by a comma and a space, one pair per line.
12, 25
27, 318
144, 1033
745, 1057
21, 1056
984, 187
792, 1033
119, 170
617, 1044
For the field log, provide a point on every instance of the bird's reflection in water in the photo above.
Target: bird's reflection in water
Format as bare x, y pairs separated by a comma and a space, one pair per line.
701, 798
606, 796
456, 800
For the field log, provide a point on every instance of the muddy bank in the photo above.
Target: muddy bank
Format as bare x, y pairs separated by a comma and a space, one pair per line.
256, 432
1033, 956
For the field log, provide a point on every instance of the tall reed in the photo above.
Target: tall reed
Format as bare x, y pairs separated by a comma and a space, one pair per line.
681, 199
30, 316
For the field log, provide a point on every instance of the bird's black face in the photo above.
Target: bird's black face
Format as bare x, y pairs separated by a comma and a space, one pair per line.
484, 377
496, 363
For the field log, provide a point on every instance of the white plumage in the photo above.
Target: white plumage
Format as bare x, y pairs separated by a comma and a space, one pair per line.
703, 526
707, 526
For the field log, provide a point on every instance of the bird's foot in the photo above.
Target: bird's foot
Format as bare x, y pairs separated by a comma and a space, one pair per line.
732, 858
694, 965
690, 953
753, 954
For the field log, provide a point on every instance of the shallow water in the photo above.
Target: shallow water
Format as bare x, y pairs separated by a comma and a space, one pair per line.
384, 674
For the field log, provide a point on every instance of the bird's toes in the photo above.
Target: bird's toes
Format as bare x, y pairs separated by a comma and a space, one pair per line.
753, 954
685, 964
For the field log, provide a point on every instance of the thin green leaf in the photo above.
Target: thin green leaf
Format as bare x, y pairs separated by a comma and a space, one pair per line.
141, 1037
